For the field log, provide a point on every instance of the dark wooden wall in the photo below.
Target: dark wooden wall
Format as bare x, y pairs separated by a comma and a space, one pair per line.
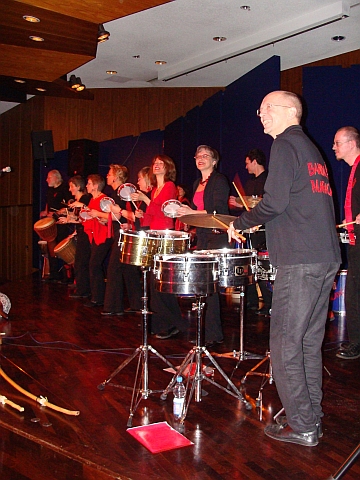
112, 114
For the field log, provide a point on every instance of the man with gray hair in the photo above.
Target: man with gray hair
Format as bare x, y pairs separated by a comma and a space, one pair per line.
346, 147
298, 212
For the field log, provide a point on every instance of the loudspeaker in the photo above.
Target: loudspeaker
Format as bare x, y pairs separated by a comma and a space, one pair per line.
42, 145
83, 157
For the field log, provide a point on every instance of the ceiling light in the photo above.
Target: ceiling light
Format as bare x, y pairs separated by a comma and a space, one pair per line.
111, 72
30, 18
75, 82
18, 80
160, 62
36, 39
39, 89
245, 7
136, 56
338, 38
80, 88
103, 35
219, 39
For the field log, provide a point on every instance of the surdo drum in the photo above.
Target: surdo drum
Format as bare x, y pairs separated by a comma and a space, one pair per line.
236, 266
265, 271
139, 248
186, 274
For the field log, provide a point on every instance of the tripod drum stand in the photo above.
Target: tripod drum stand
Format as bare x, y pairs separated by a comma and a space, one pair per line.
193, 274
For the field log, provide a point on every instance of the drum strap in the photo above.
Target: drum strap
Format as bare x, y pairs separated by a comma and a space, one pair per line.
347, 207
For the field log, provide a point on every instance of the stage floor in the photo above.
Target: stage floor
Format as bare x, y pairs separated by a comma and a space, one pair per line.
54, 347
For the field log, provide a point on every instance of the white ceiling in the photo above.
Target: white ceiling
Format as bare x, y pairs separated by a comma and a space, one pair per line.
181, 33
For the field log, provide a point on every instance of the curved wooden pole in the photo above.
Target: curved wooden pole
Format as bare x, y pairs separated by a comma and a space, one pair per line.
43, 401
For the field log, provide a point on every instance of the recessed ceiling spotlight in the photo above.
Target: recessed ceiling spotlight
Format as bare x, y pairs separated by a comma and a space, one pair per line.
245, 7
111, 72
30, 18
160, 62
338, 38
36, 39
136, 56
39, 89
18, 80
219, 39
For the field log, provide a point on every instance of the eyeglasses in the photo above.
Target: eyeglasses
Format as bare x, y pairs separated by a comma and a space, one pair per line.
268, 106
337, 144
201, 157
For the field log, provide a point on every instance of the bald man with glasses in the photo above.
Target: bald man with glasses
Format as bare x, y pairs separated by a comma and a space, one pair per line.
298, 213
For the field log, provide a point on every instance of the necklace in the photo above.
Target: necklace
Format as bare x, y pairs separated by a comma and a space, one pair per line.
203, 182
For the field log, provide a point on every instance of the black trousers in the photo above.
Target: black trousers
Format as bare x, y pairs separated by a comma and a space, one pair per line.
352, 294
97, 269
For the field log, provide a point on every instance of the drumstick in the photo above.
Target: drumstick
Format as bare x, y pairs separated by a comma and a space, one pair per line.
344, 224
241, 198
237, 234
134, 205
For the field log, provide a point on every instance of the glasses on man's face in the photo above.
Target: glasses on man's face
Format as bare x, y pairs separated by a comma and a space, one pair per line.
202, 157
267, 107
338, 144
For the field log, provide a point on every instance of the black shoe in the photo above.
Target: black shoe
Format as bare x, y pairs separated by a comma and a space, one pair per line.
93, 304
75, 295
132, 310
168, 333
282, 421
351, 353
277, 432
213, 343
112, 314
263, 311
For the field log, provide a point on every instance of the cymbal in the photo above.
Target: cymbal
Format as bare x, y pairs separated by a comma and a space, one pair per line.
207, 220
251, 201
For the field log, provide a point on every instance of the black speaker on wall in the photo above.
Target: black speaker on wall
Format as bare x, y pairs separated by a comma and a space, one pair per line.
83, 157
42, 145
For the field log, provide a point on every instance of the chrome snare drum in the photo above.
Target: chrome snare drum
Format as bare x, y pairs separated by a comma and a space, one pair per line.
170, 241
186, 274
236, 266
265, 271
137, 248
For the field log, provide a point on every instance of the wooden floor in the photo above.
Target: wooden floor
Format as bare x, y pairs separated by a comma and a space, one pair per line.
56, 348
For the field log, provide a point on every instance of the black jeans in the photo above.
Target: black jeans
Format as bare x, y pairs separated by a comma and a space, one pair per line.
297, 327
352, 294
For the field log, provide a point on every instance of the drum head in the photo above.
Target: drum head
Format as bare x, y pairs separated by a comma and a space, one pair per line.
170, 208
105, 204
84, 215
125, 191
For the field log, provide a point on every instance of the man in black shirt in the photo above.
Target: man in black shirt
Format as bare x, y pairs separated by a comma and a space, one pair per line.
255, 164
298, 212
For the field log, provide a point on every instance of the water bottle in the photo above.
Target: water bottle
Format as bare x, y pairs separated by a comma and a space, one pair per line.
179, 398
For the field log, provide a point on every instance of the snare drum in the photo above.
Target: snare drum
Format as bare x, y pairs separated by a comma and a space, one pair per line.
170, 208
171, 241
265, 271
236, 266
186, 274
46, 229
66, 250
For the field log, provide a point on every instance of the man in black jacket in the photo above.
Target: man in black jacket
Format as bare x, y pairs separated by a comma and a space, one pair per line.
297, 210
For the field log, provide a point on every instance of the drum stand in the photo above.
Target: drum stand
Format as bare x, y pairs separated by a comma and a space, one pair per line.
140, 389
242, 354
194, 357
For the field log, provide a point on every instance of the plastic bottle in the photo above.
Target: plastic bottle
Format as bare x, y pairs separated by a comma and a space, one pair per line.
179, 398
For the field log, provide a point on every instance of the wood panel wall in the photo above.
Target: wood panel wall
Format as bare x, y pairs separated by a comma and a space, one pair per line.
112, 114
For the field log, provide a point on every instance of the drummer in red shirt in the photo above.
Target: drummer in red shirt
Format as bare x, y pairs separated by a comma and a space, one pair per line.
166, 318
